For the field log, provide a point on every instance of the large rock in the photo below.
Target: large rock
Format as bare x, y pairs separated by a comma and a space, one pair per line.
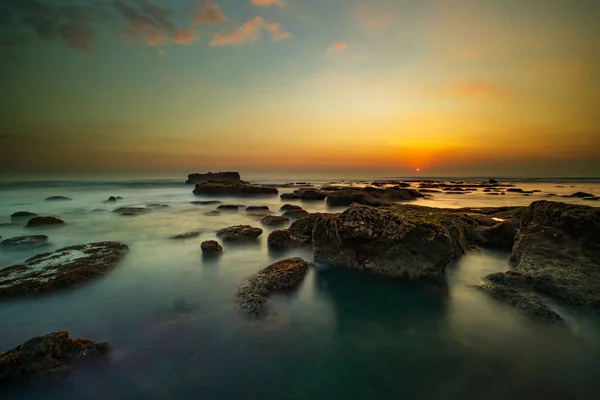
239, 233
557, 254
60, 269
44, 221
225, 188
284, 239
29, 241
286, 274
48, 358
210, 176
22, 215
211, 248
371, 196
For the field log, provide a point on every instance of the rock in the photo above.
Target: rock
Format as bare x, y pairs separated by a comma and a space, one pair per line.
119, 198
48, 358
21, 242
304, 225
429, 191
289, 207
111, 199
493, 181
44, 221
332, 188
499, 236
591, 198
274, 220
493, 194
187, 235
155, 205
294, 214
213, 213
239, 233
290, 196
528, 303
58, 198
581, 195
228, 207
286, 274
232, 189
284, 239
206, 202
371, 196
211, 248
60, 269
453, 192
312, 194
257, 208
131, 211
557, 254
21, 215
217, 176
514, 190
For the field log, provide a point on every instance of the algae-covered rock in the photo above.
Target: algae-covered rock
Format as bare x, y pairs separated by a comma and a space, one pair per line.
239, 233
226, 188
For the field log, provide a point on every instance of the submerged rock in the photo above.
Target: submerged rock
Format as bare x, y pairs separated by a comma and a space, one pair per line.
257, 208
30, 241
232, 189
211, 248
60, 269
156, 205
557, 254
21, 215
44, 221
274, 220
48, 358
581, 195
131, 211
216, 176
187, 235
528, 303
252, 295
58, 198
111, 199
290, 207
205, 202
239, 233
213, 213
295, 214
228, 207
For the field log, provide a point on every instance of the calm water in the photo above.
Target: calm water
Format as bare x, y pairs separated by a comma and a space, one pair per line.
176, 331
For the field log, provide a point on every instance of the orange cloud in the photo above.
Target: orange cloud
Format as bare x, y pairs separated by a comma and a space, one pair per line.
250, 32
185, 36
373, 16
340, 46
209, 13
267, 3
144, 30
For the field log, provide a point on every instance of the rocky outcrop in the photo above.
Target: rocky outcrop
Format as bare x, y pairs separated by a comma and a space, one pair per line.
211, 248
44, 221
22, 215
499, 236
371, 196
287, 274
210, 176
284, 239
557, 254
58, 198
528, 303
239, 233
60, 269
48, 358
295, 214
25, 242
225, 188
304, 194
274, 220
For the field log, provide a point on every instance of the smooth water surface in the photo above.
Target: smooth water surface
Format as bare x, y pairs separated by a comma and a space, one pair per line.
171, 318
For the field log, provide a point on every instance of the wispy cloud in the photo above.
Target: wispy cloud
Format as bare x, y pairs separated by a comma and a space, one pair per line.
185, 36
250, 32
267, 3
209, 13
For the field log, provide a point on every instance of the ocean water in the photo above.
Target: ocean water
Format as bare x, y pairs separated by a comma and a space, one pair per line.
176, 333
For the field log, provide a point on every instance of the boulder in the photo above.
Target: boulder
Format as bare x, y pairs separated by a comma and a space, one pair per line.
514, 190
131, 211
44, 221
22, 215
290, 196
528, 303
591, 198
20, 242
286, 274
499, 236
206, 202
295, 214
557, 254
211, 248
111, 199
210, 176
257, 208
581, 195
58, 198
304, 225
225, 188
493, 181
228, 207
371, 196
239, 233
284, 239
187, 235
48, 358
274, 220
60, 269
289, 207
312, 194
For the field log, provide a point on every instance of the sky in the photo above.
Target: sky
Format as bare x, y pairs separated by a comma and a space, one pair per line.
301, 87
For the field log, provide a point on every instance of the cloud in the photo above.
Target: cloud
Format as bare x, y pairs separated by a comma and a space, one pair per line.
267, 3
185, 36
145, 23
250, 32
339, 47
209, 13
374, 16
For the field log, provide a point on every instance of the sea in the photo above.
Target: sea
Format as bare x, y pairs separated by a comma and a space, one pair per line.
176, 332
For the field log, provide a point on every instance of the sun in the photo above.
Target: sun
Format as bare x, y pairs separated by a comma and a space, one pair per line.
418, 169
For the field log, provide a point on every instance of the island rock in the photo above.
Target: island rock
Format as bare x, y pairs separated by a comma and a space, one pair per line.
210, 176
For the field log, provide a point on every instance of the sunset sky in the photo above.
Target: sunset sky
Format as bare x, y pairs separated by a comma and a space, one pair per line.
301, 87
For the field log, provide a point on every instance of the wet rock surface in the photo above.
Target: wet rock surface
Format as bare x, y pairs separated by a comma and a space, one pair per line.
371, 196
205, 202
25, 242
44, 221
290, 207
274, 220
131, 211
228, 207
257, 208
224, 188
286, 274
48, 358
213, 213
284, 239
239, 233
211, 248
60, 269
187, 235
295, 214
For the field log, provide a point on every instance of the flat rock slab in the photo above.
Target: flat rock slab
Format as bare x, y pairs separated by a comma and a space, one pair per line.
239, 233
286, 274
60, 269
48, 358
21, 242
44, 221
